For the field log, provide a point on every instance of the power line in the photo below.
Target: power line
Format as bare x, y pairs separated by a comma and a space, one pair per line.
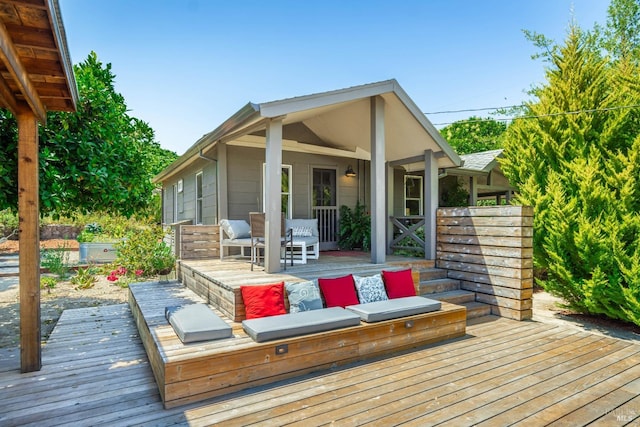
563, 113
473, 109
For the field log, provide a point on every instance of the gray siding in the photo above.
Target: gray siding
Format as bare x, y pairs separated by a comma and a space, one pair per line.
186, 200
245, 180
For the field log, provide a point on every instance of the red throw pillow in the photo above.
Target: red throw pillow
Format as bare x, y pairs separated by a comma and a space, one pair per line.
339, 292
263, 300
399, 284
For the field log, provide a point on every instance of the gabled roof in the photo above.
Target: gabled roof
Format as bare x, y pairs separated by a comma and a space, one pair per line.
35, 68
482, 162
340, 119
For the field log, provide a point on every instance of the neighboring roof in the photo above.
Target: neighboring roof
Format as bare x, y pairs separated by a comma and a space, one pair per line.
483, 161
35, 67
339, 119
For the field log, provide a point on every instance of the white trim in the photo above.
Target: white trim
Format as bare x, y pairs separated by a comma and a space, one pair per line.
420, 199
174, 206
180, 186
289, 213
199, 199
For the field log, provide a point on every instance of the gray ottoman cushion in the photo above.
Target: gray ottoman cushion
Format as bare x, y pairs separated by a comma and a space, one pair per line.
301, 323
394, 308
196, 322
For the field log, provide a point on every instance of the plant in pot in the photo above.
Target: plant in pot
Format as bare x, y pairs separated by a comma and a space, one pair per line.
95, 245
355, 228
162, 260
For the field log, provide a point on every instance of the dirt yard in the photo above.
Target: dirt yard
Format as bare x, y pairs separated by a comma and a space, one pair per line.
64, 296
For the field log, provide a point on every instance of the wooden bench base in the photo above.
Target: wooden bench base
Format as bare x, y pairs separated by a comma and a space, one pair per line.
191, 372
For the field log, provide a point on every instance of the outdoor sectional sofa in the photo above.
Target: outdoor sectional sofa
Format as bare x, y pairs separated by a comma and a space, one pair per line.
292, 342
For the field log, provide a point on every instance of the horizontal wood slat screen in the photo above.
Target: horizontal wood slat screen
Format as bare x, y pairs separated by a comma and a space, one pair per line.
490, 250
199, 241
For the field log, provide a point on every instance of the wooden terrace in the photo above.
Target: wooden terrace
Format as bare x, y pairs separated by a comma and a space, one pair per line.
502, 372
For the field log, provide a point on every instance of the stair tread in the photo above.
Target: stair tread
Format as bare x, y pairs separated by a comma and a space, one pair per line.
456, 292
476, 304
441, 280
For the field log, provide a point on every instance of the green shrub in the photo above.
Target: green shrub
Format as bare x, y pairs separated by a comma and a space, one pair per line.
48, 283
84, 279
408, 242
355, 228
454, 196
56, 261
581, 173
144, 252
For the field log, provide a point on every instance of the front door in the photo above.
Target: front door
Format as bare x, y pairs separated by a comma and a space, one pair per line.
324, 206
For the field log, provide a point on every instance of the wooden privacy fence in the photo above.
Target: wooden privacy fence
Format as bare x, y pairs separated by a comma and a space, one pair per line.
490, 250
199, 241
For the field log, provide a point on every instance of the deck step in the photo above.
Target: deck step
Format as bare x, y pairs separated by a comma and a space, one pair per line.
454, 297
438, 285
477, 309
431, 273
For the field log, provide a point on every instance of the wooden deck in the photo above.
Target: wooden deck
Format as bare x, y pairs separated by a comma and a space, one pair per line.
503, 372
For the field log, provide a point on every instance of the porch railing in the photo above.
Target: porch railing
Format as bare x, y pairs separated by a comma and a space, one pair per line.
327, 226
405, 233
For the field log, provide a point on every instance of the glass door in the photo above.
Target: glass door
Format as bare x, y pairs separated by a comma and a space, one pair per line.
324, 206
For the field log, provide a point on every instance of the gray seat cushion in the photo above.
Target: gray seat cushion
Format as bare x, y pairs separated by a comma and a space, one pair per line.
302, 323
394, 308
196, 322
308, 241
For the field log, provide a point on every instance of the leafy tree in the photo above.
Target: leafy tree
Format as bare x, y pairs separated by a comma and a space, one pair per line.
96, 159
621, 37
578, 164
474, 135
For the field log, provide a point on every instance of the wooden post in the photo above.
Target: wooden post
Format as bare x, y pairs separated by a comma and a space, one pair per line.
273, 195
378, 183
473, 191
430, 189
29, 232
221, 166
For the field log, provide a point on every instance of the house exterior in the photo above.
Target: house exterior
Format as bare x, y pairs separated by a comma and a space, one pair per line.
481, 176
307, 156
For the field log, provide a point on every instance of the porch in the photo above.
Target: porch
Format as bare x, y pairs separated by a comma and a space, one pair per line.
502, 372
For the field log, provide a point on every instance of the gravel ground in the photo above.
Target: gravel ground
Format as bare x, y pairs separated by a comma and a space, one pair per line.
65, 295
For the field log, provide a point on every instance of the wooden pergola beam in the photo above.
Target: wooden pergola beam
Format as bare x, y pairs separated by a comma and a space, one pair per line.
9, 56
7, 97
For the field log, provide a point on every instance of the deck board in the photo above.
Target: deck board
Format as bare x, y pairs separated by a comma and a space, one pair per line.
95, 372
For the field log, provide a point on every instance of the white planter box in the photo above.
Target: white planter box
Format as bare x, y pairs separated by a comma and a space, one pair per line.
97, 252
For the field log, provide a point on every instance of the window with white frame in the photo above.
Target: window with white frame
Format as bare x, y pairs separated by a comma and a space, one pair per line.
174, 204
285, 189
199, 198
413, 195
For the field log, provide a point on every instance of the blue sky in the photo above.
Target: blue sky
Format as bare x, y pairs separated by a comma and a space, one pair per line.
185, 66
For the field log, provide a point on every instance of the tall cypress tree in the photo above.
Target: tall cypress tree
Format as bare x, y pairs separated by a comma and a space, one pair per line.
577, 163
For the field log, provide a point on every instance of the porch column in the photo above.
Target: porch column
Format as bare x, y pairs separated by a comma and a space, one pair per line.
378, 181
272, 197
29, 232
430, 203
223, 200
473, 191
